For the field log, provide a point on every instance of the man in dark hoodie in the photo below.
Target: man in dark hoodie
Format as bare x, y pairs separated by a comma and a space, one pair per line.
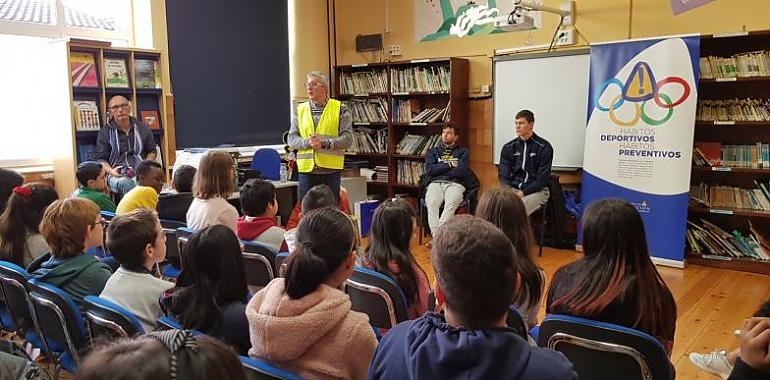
259, 207
446, 167
475, 278
71, 227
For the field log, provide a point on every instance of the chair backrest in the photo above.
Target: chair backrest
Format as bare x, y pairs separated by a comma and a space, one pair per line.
57, 318
515, 321
257, 369
280, 263
378, 296
600, 350
172, 224
13, 280
182, 236
168, 323
259, 263
107, 215
267, 161
108, 319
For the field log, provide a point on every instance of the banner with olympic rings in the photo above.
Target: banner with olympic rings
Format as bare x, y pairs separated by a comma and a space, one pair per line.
639, 133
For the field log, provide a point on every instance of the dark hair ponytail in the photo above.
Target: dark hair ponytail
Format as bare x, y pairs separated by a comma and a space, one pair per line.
324, 241
22, 216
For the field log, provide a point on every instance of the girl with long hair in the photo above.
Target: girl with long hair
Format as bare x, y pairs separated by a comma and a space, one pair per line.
20, 238
505, 209
615, 281
388, 253
212, 186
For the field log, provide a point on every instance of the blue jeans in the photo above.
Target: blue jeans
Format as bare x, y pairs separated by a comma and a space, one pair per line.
120, 185
308, 180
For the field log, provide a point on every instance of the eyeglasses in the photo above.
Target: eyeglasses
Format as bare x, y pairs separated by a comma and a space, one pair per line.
118, 107
314, 85
102, 222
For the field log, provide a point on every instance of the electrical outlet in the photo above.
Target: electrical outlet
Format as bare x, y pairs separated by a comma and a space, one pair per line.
394, 50
485, 88
566, 37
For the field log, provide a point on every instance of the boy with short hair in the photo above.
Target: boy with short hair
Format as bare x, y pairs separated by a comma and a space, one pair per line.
149, 179
475, 275
91, 176
319, 196
259, 207
137, 242
174, 205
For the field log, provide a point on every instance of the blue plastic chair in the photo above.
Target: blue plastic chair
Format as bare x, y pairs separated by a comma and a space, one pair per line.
182, 235
259, 263
280, 263
378, 296
60, 323
600, 350
260, 369
268, 162
108, 319
18, 318
107, 215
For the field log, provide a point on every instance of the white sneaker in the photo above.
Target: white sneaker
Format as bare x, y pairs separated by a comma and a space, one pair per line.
714, 363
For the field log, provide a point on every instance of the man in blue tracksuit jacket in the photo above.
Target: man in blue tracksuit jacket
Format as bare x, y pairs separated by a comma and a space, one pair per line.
525, 163
448, 174
475, 281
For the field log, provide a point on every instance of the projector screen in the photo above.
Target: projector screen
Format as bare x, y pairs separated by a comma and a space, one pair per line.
555, 87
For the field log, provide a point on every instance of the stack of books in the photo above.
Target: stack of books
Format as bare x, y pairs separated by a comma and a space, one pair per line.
420, 79
714, 154
367, 140
710, 241
364, 82
412, 144
731, 197
751, 64
734, 110
369, 110
409, 172
381, 172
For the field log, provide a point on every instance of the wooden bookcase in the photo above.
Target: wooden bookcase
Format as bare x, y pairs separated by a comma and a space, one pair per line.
456, 97
729, 132
142, 99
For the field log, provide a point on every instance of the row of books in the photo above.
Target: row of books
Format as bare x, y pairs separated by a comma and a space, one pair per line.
87, 116
402, 112
734, 110
84, 74
420, 79
708, 239
367, 140
409, 172
412, 144
731, 197
364, 82
381, 173
751, 64
432, 115
369, 110
715, 154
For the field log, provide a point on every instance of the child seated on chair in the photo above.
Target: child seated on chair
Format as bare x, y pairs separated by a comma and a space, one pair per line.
20, 238
137, 242
259, 207
93, 186
149, 179
319, 196
471, 340
174, 205
71, 227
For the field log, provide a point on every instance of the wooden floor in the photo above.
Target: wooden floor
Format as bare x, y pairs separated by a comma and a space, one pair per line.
711, 303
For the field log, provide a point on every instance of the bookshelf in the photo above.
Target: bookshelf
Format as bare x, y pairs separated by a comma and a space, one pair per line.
417, 98
92, 87
733, 127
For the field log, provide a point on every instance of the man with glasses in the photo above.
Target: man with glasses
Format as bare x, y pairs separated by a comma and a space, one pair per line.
122, 145
321, 129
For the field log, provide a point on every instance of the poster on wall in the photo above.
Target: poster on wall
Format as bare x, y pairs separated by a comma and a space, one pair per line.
447, 19
681, 6
639, 134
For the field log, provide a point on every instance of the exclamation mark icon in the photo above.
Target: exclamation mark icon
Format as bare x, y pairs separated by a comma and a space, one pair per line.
641, 80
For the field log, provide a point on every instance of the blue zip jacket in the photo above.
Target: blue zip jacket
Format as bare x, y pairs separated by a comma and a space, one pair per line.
526, 165
437, 166
428, 348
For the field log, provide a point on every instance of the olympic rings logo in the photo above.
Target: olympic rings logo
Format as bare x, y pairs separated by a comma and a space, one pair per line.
645, 92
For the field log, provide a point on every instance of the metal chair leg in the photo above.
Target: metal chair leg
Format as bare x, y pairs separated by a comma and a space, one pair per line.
542, 233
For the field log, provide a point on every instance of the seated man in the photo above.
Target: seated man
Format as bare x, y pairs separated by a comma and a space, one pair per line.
137, 242
150, 178
91, 176
525, 163
174, 205
259, 207
446, 167
122, 145
71, 227
476, 276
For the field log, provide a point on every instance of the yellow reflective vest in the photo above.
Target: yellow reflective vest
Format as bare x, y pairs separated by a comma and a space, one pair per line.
328, 126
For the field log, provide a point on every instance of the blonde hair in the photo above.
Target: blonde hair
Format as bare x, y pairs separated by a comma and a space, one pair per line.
65, 223
214, 177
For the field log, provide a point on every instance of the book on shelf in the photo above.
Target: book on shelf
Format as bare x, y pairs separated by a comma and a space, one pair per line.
147, 73
707, 239
434, 78
409, 172
150, 119
731, 197
714, 154
417, 145
115, 73
363, 82
86, 152
86, 115
83, 70
732, 110
368, 140
711, 152
381, 173
369, 110
743, 65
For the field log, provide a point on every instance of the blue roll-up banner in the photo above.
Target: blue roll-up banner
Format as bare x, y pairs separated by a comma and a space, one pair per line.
639, 134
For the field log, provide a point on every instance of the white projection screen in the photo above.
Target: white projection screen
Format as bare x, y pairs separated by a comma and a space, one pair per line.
555, 87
